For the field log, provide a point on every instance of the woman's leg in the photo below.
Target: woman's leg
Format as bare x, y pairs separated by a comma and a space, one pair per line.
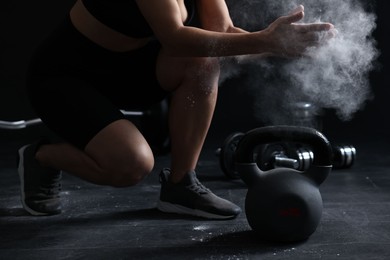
194, 86
117, 156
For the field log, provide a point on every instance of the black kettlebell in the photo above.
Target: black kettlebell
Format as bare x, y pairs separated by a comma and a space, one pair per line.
283, 204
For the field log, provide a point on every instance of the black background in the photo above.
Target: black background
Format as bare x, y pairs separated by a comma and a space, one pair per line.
24, 23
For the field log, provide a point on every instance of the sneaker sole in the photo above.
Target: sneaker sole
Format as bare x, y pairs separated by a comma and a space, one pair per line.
21, 177
179, 209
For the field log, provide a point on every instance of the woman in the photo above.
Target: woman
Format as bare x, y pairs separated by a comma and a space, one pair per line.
109, 55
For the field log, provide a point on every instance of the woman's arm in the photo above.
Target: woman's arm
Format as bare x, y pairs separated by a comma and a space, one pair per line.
216, 39
214, 16
179, 40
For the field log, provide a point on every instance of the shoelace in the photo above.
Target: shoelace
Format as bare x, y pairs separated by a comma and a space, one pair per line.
51, 189
51, 186
198, 188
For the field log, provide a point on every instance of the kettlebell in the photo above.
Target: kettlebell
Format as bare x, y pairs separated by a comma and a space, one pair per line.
283, 204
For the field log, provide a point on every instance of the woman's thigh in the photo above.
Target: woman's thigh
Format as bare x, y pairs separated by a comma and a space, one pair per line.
81, 116
73, 109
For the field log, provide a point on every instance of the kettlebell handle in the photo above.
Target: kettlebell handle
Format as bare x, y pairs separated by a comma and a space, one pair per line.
322, 150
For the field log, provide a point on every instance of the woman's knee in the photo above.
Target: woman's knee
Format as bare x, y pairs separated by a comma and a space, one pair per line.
199, 73
122, 155
204, 70
200, 81
130, 169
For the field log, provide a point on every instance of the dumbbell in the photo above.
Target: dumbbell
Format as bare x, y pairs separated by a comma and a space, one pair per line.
289, 155
300, 157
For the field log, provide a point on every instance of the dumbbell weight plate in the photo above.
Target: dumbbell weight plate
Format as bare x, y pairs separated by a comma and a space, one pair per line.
226, 155
304, 157
344, 156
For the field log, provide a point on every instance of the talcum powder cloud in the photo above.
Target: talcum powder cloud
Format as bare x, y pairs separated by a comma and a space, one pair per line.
336, 76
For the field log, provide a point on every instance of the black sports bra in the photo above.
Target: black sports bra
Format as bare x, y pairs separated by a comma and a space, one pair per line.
125, 17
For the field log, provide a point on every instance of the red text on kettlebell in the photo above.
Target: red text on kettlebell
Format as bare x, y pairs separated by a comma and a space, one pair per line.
290, 212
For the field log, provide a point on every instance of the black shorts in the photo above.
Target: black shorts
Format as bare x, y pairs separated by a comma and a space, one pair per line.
77, 87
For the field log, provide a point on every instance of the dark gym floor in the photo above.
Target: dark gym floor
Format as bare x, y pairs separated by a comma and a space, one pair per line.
108, 223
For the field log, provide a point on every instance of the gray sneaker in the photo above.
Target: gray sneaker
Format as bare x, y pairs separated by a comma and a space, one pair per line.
40, 186
190, 197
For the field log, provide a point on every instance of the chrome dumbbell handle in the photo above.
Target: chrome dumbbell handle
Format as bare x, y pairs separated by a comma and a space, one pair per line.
302, 160
20, 124
282, 161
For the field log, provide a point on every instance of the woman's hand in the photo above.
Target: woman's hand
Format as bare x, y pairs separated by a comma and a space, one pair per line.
291, 39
